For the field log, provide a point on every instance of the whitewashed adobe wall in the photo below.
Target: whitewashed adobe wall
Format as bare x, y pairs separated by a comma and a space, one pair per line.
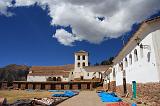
36, 78
78, 70
145, 69
43, 78
90, 75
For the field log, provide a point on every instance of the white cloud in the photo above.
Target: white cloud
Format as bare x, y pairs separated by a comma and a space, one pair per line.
65, 38
119, 15
4, 4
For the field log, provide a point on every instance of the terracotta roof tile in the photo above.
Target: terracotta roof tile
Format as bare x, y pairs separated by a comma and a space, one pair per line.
51, 70
97, 68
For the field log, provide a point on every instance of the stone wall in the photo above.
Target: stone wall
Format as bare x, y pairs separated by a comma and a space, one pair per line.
148, 92
52, 85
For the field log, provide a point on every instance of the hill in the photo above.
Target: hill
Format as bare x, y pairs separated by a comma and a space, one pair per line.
14, 72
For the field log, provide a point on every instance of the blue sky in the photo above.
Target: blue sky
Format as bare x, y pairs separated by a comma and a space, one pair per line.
27, 38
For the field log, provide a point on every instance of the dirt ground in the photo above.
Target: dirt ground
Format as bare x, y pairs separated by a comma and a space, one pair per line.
148, 93
12, 95
85, 98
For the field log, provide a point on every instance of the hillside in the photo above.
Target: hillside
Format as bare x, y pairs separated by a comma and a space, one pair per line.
14, 72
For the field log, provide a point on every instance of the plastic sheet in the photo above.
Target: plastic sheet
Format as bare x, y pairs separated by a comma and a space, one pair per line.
109, 97
66, 94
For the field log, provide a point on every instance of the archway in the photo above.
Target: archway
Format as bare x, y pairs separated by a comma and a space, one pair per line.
59, 79
54, 79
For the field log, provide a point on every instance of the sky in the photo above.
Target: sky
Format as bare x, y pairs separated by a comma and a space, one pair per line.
48, 32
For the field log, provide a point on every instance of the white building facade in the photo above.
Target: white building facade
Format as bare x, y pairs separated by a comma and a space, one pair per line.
139, 60
81, 60
79, 71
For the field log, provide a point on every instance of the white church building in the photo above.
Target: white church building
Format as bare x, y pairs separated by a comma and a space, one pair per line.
79, 71
139, 59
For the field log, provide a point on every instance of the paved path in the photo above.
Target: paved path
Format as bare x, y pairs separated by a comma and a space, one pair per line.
85, 98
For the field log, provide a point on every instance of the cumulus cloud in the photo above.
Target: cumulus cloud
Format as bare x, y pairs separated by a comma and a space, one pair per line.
81, 15
65, 38
4, 4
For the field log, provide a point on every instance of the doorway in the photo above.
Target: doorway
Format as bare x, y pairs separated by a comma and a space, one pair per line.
81, 77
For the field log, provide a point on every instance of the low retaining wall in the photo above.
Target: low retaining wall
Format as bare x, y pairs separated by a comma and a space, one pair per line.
110, 86
85, 85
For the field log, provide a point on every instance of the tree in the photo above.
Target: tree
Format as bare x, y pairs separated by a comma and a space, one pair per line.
108, 61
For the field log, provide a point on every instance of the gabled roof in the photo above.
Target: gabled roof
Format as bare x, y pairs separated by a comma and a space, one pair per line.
142, 32
82, 52
51, 70
101, 68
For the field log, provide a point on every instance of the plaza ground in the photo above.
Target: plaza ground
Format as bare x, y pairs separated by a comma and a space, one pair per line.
85, 98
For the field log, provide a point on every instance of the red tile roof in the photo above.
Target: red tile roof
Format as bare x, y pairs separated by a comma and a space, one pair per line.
51, 70
97, 68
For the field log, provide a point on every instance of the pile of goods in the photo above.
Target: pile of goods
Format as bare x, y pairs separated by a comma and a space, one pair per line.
48, 101
3, 101
23, 102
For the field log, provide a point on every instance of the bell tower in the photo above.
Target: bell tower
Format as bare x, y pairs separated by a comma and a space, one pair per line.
81, 60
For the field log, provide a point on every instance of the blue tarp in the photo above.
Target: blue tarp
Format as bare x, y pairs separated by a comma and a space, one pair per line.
134, 104
109, 97
66, 94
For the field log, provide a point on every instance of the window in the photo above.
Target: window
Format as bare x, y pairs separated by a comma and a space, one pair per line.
84, 57
54, 79
81, 77
78, 58
130, 59
126, 62
141, 51
121, 66
72, 73
88, 74
135, 55
149, 56
78, 64
59, 79
114, 74
84, 64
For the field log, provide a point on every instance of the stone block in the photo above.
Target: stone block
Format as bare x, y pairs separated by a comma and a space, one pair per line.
47, 86
75, 86
38, 86
58, 86
66, 87
23, 86
83, 86
30, 86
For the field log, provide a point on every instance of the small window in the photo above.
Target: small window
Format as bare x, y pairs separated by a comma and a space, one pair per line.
114, 74
135, 55
78, 64
121, 66
88, 74
84, 57
126, 62
84, 64
130, 59
149, 56
141, 51
72, 73
81, 77
78, 58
